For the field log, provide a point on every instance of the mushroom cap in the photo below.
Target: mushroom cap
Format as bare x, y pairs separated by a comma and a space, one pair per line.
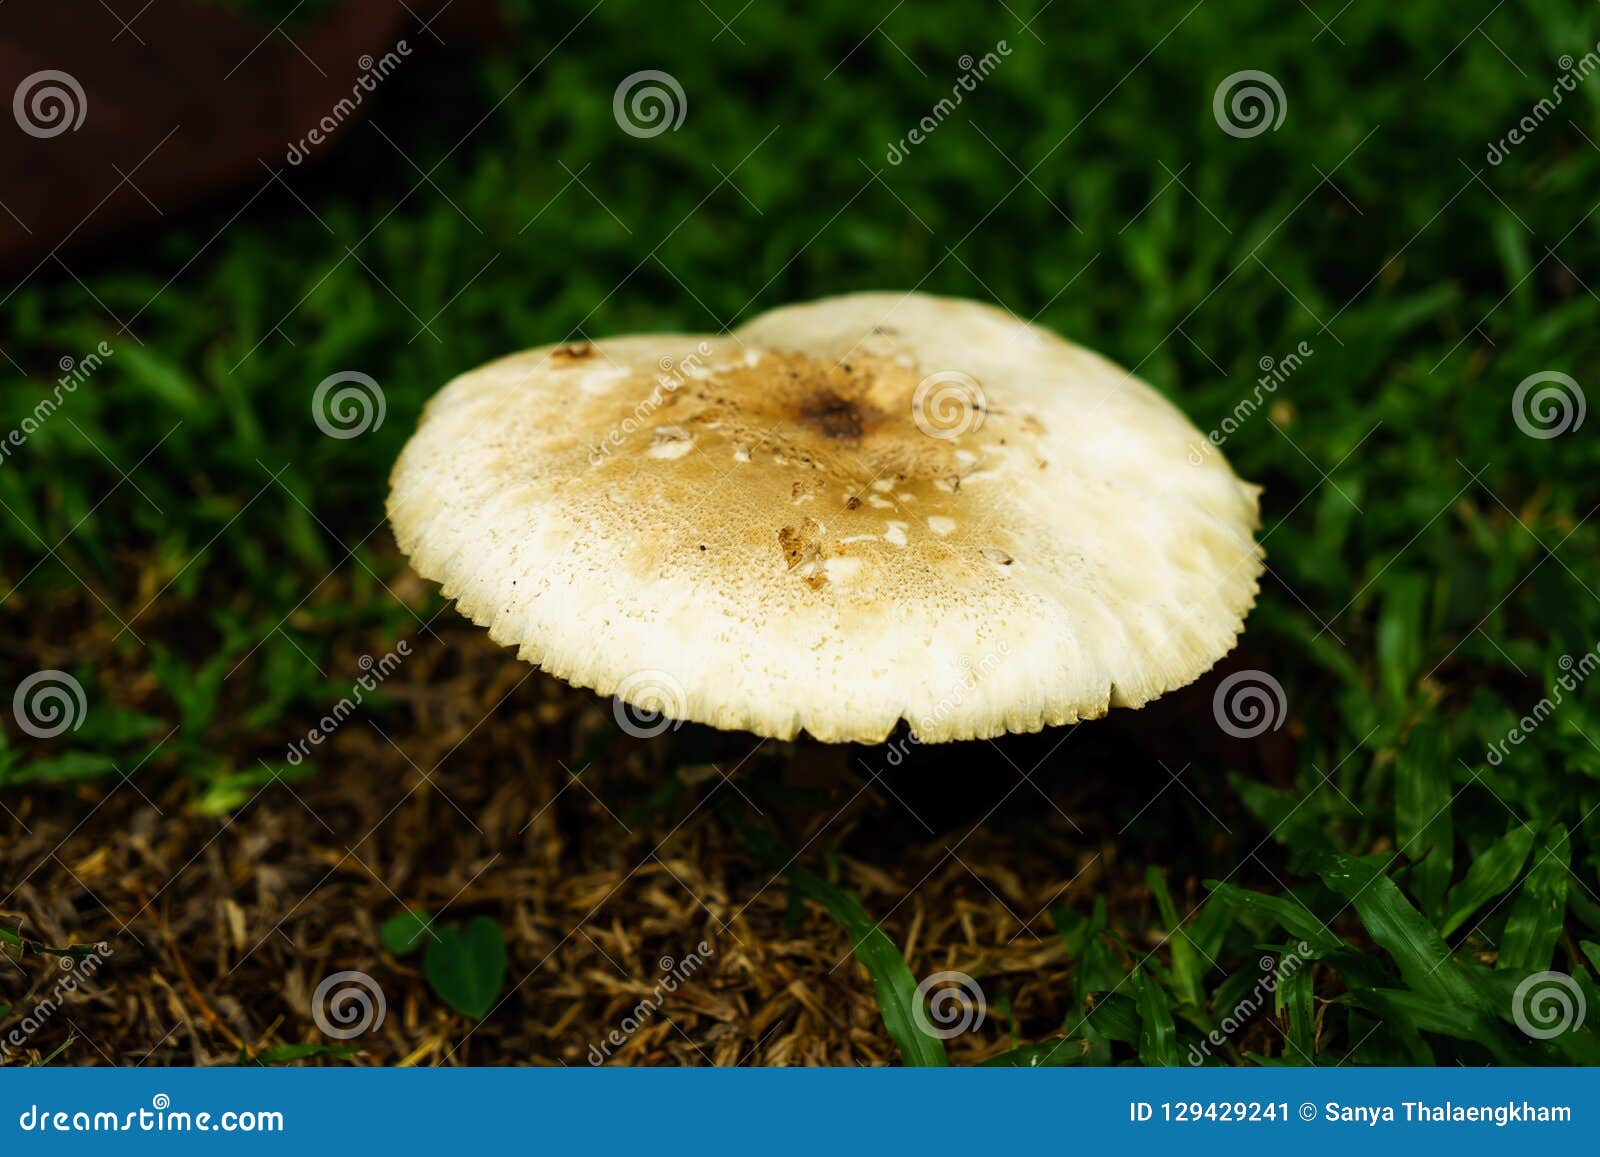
843, 514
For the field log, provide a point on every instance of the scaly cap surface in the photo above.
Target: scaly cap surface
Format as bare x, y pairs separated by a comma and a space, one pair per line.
846, 513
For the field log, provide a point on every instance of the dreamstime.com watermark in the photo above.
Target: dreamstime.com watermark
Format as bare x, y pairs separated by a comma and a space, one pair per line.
649, 702
1248, 103
347, 1004
1547, 1004
372, 71
347, 404
1249, 703
949, 1004
675, 973
973, 73
49, 703
74, 971
1573, 674
1274, 372
74, 372
965, 684
1275, 972
49, 103
948, 404
1547, 404
376, 671
672, 376
160, 1117
1573, 73
649, 103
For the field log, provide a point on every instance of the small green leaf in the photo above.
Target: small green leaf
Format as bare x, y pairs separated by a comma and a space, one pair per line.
1074, 929
72, 767
162, 379
1422, 819
1533, 926
1424, 959
1117, 1017
1185, 961
1399, 639
467, 967
1592, 951
1290, 914
1100, 969
1158, 1038
403, 934
1419, 1012
1296, 996
1289, 823
1491, 875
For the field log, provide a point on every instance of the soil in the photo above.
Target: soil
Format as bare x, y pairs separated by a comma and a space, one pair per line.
483, 787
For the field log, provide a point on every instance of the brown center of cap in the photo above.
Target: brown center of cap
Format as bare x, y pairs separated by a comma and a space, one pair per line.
825, 460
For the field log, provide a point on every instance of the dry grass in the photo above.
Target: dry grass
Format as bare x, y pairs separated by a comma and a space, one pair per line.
457, 798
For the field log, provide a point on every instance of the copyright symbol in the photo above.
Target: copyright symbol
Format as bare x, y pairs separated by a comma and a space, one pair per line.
1308, 1112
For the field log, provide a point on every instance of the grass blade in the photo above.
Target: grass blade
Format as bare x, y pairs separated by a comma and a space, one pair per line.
1491, 875
1185, 961
1158, 1038
1534, 925
1422, 794
1291, 915
1424, 959
896, 987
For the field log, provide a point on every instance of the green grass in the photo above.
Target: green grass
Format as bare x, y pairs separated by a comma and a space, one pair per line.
1430, 564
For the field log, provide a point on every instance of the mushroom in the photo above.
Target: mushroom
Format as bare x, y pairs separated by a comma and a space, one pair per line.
844, 514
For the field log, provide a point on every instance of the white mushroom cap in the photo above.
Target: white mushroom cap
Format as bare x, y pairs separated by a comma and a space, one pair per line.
844, 514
